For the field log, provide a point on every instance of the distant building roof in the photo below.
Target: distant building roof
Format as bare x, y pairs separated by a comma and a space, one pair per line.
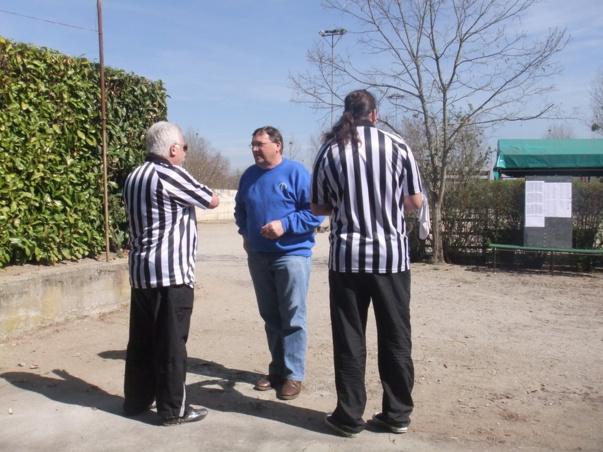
519, 158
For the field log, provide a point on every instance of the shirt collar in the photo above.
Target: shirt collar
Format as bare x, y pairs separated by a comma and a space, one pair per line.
364, 122
157, 159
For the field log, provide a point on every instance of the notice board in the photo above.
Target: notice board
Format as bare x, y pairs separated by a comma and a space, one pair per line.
548, 212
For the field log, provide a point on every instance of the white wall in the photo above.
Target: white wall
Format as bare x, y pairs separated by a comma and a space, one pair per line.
224, 212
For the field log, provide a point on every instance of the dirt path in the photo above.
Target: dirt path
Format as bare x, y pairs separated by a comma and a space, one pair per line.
502, 359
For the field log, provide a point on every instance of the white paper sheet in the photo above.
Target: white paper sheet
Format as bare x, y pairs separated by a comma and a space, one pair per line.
534, 204
558, 199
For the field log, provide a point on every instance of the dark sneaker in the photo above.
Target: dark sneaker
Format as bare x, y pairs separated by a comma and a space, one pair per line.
338, 428
190, 416
380, 421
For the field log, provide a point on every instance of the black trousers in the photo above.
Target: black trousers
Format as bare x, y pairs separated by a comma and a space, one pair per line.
156, 356
350, 298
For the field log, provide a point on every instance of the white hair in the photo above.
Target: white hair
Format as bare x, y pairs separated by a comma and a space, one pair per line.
161, 136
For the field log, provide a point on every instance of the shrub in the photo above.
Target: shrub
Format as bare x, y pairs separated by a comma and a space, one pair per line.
51, 176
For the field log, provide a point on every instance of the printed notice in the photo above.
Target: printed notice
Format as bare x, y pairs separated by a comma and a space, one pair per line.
558, 200
534, 205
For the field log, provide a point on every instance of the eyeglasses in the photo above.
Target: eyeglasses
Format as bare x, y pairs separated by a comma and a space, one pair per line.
258, 145
184, 147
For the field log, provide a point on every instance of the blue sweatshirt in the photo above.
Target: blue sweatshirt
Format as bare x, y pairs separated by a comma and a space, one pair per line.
280, 193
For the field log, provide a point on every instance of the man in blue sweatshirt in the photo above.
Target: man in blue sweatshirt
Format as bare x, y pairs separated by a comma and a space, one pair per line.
272, 212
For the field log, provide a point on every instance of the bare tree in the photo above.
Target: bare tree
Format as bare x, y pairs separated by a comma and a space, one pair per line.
305, 156
205, 163
468, 158
559, 131
453, 64
293, 151
597, 103
315, 144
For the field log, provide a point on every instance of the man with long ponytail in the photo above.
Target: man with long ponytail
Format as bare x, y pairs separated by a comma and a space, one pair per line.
366, 178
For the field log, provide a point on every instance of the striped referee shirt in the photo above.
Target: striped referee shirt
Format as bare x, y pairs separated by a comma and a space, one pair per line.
160, 201
365, 184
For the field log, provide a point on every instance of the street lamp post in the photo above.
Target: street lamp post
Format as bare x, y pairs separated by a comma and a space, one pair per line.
339, 32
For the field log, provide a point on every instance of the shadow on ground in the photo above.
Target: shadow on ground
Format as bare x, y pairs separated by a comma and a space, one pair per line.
216, 391
72, 390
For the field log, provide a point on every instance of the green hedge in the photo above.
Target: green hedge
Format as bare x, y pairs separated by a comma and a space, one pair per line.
587, 204
51, 174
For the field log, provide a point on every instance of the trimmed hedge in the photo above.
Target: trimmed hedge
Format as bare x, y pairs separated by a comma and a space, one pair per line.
51, 174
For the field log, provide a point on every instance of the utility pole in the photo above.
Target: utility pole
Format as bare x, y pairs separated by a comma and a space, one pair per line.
99, 6
339, 32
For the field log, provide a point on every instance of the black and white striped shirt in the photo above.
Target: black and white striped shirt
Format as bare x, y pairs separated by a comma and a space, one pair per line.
365, 185
160, 202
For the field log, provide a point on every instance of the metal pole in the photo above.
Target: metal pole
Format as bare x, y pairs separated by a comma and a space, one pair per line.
99, 5
332, 69
339, 32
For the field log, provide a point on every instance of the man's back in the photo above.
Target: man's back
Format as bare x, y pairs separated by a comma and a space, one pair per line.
366, 184
160, 202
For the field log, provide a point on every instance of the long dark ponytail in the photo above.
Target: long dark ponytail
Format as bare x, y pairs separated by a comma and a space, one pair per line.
357, 105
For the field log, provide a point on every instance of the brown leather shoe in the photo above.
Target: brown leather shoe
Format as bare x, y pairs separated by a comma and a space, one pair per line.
267, 383
290, 390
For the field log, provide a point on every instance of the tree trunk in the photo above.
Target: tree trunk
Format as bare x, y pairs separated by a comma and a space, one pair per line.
436, 221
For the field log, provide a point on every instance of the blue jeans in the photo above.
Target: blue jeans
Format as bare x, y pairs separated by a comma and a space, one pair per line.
281, 286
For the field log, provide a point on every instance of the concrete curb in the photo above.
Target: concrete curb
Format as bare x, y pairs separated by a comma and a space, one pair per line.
46, 296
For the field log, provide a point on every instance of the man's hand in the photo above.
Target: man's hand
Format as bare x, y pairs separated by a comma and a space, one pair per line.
272, 230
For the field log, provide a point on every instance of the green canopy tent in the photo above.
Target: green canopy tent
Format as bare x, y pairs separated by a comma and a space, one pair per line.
520, 158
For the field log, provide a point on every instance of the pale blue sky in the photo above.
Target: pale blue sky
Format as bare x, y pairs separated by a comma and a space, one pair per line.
225, 64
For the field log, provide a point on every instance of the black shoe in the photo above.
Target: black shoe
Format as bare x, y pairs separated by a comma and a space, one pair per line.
190, 416
380, 421
340, 429
133, 411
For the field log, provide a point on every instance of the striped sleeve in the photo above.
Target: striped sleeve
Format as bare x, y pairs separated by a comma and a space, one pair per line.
183, 188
